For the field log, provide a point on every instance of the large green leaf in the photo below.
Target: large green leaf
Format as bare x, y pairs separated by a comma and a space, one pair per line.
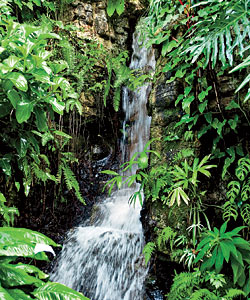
219, 260
41, 120
10, 235
18, 294
224, 35
22, 146
18, 80
21, 249
11, 276
23, 110
58, 107
11, 61
53, 290
4, 295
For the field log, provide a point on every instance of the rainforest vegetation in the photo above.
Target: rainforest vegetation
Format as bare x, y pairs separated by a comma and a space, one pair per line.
46, 72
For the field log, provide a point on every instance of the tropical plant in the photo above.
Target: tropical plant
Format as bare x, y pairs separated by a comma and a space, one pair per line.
24, 280
238, 193
218, 247
163, 236
32, 95
196, 286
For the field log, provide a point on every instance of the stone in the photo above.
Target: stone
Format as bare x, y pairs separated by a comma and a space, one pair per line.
101, 23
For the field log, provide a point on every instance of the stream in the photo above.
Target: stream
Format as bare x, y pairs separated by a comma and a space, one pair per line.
103, 259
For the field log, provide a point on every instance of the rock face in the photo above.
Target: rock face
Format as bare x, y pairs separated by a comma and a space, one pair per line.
93, 22
170, 141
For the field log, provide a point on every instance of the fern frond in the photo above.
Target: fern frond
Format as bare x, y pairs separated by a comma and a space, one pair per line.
148, 251
71, 181
182, 286
203, 294
243, 168
116, 98
229, 211
245, 213
166, 234
234, 190
233, 293
245, 192
222, 37
45, 159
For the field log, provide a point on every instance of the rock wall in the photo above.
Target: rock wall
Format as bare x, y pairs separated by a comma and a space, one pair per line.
94, 23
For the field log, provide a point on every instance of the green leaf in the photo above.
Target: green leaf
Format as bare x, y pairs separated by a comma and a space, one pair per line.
41, 120
11, 61
9, 235
113, 5
58, 107
143, 160
5, 109
225, 251
223, 228
18, 80
4, 295
22, 147
14, 97
109, 172
18, 294
53, 290
219, 260
23, 110
5, 165
11, 276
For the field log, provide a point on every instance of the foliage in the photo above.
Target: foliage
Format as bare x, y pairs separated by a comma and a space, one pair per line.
31, 90
115, 5
196, 286
26, 280
7, 213
238, 193
196, 38
219, 246
241, 66
165, 235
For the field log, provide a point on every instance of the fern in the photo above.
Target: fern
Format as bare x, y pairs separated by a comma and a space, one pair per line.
245, 192
242, 65
148, 251
230, 210
243, 168
224, 35
116, 98
233, 293
71, 182
245, 213
234, 190
203, 294
182, 286
167, 234
69, 54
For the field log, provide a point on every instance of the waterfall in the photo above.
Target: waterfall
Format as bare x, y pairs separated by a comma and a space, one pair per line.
104, 260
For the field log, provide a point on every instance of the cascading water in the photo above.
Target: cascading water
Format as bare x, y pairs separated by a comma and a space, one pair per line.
105, 260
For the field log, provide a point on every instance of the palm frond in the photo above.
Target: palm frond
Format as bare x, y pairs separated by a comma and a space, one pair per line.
229, 31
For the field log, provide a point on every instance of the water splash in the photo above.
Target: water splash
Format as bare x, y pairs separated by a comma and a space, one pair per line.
104, 259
